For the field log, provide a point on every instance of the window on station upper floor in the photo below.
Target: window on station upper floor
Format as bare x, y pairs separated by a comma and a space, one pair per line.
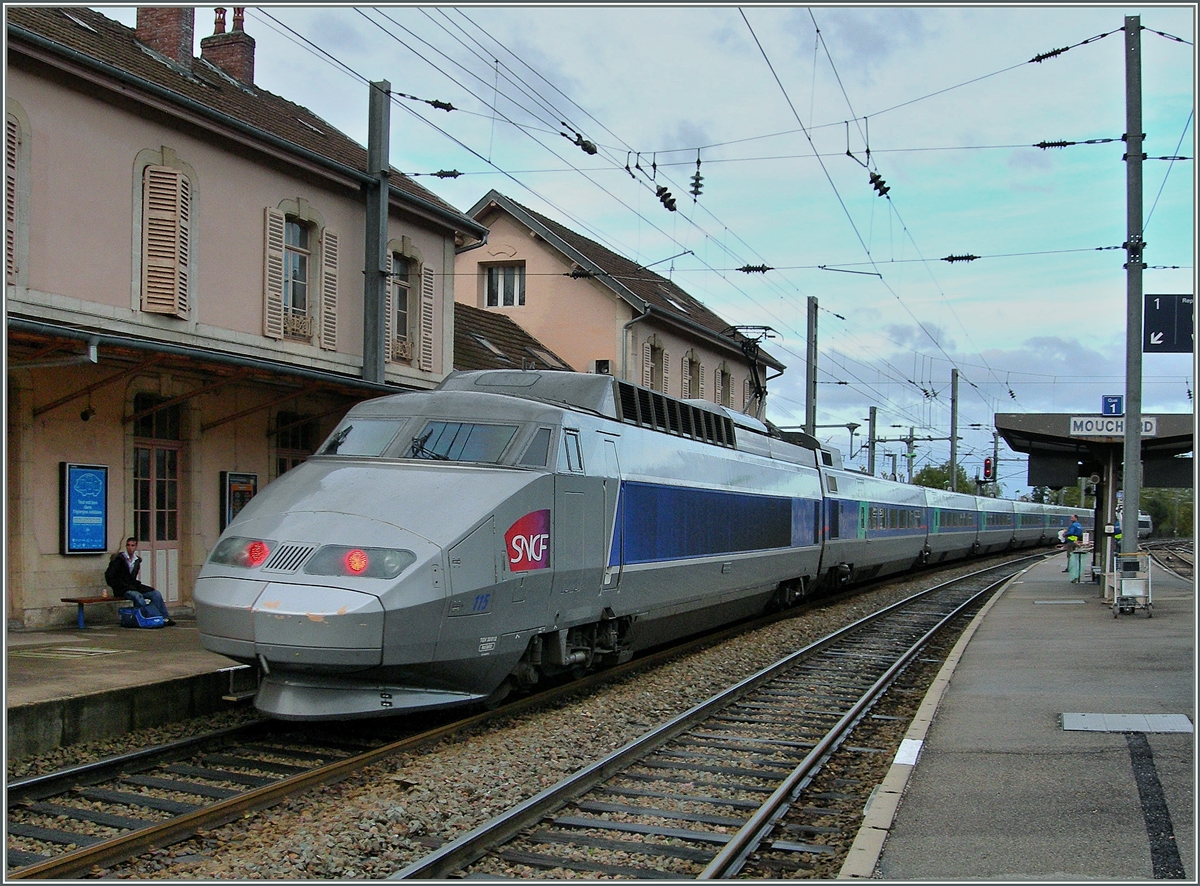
300, 285
504, 286
399, 312
723, 382
166, 240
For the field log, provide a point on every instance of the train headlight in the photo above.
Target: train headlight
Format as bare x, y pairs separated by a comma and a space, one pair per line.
359, 562
237, 551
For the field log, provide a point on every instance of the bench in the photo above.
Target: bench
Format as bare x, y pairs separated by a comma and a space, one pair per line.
83, 601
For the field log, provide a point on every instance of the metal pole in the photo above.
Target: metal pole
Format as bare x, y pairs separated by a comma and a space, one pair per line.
996, 462
871, 441
810, 396
1133, 282
911, 453
954, 430
375, 279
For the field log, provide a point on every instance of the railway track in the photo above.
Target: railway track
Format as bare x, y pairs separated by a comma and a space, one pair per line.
1176, 556
715, 788
67, 824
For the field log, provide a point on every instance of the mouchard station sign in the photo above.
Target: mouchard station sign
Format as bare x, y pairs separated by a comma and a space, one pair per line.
1108, 426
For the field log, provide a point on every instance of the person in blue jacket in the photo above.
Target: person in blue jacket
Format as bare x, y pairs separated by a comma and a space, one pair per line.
1074, 538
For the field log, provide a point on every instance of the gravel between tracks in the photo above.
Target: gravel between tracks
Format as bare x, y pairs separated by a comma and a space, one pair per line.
392, 813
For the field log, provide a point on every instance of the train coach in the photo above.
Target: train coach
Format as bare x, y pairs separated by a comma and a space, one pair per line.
443, 547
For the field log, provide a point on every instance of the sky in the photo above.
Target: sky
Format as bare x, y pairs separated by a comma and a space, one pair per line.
790, 110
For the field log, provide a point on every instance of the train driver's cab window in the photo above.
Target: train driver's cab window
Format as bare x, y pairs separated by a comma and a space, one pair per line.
572, 453
537, 453
461, 441
362, 436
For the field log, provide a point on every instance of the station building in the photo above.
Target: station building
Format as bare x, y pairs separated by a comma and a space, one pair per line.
184, 293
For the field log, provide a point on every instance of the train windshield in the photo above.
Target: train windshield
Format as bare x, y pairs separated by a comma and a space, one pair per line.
461, 441
369, 437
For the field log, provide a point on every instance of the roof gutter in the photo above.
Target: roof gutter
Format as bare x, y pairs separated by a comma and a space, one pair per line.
456, 220
96, 339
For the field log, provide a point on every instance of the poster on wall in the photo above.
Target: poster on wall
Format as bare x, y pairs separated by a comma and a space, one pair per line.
236, 491
83, 508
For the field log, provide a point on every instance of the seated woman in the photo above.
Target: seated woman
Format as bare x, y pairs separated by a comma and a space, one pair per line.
122, 576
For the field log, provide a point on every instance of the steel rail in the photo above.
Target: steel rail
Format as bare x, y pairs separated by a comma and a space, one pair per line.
733, 854
472, 846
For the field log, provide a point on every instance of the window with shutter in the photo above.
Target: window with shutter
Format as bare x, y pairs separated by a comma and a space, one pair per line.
647, 365
666, 371
700, 378
273, 226
12, 147
166, 207
329, 290
399, 308
685, 378
427, 321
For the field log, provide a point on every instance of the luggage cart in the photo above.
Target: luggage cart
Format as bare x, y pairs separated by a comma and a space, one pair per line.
1132, 592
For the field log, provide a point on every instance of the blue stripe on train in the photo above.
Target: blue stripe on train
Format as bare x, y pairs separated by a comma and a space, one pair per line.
657, 522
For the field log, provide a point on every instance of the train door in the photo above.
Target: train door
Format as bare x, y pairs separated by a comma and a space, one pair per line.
578, 531
612, 496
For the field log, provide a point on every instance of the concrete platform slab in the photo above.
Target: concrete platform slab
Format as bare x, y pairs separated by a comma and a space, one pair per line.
1000, 790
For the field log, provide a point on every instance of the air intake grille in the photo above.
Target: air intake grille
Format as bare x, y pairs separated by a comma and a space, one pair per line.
289, 558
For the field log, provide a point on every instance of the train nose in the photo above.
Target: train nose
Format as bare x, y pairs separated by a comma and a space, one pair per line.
294, 626
330, 627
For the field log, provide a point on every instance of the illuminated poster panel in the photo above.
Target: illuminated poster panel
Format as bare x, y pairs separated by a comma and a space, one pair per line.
84, 508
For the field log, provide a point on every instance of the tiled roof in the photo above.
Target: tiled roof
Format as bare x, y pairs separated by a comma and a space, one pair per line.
487, 340
91, 34
654, 290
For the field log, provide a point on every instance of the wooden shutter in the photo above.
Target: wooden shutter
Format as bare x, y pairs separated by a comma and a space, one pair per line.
427, 324
329, 290
666, 371
700, 375
166, 206
685, 378
745, 393
389, 308
12, 148
718, 390
647, 364
273, 225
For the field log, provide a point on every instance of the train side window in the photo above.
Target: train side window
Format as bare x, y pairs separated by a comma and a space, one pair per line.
538, 450
573, 453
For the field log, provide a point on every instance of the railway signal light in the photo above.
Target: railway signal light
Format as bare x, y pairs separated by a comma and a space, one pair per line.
988, 471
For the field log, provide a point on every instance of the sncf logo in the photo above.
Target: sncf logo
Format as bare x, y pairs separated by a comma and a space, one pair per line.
528, 542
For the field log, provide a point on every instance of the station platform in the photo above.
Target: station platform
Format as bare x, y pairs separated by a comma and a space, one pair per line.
1058, 744
68, 685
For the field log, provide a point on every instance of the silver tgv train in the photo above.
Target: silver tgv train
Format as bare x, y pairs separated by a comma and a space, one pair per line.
443, 547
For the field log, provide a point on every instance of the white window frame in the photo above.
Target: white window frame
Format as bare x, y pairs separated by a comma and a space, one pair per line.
496, 295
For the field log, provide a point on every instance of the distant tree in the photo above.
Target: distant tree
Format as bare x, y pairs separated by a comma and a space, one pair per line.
1041, 495
938, 477
1172, 511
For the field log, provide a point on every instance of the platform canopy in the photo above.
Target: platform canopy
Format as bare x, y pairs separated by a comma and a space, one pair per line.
1063, 447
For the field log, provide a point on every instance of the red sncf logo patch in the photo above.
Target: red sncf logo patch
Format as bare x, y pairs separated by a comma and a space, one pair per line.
528, 542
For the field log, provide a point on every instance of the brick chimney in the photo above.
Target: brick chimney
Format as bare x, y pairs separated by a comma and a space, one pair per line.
168, 29
232, 52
